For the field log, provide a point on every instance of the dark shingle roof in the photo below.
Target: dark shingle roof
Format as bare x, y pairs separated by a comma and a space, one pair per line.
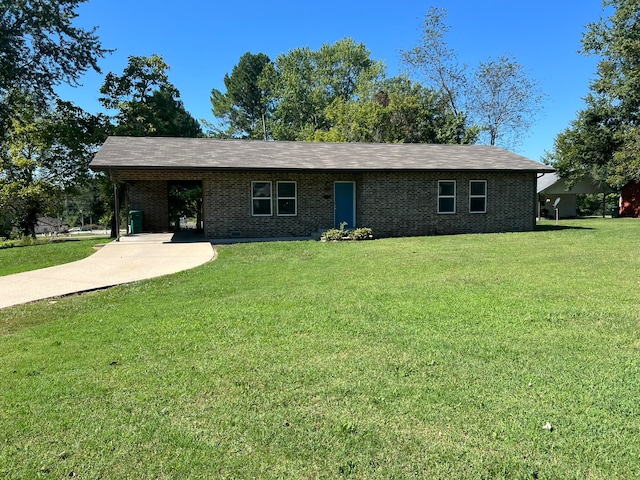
205, 153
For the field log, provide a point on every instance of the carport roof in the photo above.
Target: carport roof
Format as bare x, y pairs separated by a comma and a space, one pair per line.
552, 184
205, 153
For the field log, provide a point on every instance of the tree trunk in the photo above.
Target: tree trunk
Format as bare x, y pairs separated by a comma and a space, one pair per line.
28, 224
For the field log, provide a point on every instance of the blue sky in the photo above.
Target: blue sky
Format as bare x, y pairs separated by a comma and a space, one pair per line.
203, 40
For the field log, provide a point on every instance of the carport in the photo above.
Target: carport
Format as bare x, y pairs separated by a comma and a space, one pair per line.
551, 187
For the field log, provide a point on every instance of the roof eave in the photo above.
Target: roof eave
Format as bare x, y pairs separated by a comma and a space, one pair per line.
106, 168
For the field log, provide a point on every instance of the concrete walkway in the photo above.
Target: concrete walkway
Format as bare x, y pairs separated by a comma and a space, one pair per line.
133, 258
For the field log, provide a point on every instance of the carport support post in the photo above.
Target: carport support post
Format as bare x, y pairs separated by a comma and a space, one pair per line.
116, 208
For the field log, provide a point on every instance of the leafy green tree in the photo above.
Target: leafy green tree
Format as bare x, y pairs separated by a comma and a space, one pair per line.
604, 140
44, 156
40, 48
616, 40
244, 108
140, 78
7, 220
72, 137
337, 93
589, 144
160, 115
45, 144
297, 96
399, 111
303, 83
147, 103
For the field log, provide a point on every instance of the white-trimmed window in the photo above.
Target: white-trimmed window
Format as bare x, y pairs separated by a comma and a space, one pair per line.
478, 196
261, 199
446, 196
287, 199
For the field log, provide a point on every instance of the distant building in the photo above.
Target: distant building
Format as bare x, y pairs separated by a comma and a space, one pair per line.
48, 225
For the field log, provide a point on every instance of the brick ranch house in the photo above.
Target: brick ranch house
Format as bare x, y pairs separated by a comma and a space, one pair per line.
295, 189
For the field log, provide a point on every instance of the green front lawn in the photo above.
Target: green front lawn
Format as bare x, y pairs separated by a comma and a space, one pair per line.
435, 357
33, 257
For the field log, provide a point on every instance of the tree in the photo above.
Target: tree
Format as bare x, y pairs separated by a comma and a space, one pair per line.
159, 115
45, 144
503, 101
89, 203
498, 96
436, 62
604, 140
40, 48
304, 83
588, 145
244, 107
72, 137
296, 95
147, 103
399, 111
44, 156
287, 99
616, 40
24, 191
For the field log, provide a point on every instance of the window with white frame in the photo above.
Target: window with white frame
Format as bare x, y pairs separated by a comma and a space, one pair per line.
478, 196
287, 199
446, 196
261, 198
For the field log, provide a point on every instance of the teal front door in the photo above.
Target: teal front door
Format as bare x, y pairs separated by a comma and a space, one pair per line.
344, 194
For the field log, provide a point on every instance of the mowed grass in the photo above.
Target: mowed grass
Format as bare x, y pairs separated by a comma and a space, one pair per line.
435, 357
33, 257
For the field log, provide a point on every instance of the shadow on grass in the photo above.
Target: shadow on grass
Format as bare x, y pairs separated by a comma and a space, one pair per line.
547, 228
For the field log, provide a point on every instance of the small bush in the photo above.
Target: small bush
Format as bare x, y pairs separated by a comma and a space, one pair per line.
361, 233
24, 241
338, 234
333, 235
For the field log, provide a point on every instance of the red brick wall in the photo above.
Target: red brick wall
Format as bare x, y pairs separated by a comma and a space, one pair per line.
391, 203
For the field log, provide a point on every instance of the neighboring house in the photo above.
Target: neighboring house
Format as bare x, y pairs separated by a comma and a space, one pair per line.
551, 187
295, 189
630, 199
48, 225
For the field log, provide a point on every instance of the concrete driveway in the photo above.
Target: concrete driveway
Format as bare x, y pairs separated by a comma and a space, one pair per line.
133, 258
